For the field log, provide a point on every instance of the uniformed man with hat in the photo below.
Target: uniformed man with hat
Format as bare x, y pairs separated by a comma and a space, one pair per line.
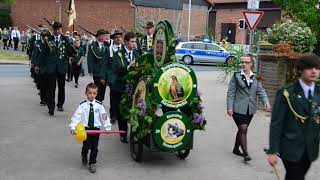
98, 57
295, 121
56, 50
122, 60
147, 40
116, 46
35, 44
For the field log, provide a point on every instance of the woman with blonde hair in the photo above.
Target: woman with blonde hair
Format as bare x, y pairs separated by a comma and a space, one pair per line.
241, 102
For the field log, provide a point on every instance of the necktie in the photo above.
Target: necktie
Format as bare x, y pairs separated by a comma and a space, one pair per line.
309, 94
91, 117
118, 48
57, 40
129, 55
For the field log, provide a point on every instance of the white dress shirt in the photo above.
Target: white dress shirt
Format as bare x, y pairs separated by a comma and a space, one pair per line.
115, 47
15, 33
100, 44
306, 88
248, 80
82, 115
129, 53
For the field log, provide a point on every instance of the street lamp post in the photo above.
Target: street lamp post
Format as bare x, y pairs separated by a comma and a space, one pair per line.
189, 21
59, 2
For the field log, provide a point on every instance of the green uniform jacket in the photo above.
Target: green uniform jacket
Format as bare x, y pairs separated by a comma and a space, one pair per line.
35, 52
55, 57
288, 135
118, 69
97, 59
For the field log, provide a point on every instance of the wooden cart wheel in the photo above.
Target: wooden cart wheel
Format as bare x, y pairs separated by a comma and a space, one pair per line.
136, 148
182, 154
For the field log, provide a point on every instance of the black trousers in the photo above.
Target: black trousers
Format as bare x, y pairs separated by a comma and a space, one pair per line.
297, 170
76, 72
101, 88
5, 43
36, 77
10, 43
52, 80
91, 143
15, 42
115, 98
69, 73
43, 88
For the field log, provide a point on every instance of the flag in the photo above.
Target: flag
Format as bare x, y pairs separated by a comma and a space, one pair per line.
71, 12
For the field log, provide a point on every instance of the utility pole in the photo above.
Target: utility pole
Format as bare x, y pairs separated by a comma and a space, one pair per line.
189, 21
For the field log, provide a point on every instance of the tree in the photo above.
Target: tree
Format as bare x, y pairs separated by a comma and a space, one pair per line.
305, 10
8, 1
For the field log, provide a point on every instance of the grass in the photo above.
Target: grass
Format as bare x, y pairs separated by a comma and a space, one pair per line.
10, 55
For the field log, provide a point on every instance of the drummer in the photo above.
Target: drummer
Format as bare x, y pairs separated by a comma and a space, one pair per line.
92, 115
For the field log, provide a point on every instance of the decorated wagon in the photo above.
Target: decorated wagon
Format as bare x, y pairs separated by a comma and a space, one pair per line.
163, 106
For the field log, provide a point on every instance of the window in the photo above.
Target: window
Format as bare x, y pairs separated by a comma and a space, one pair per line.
187, 46
212, 47
199, 46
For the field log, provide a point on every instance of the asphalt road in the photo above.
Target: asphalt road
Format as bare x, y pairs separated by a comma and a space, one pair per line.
35, 146
19, 70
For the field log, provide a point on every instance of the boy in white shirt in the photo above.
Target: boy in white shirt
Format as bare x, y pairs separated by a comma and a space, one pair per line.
92, 114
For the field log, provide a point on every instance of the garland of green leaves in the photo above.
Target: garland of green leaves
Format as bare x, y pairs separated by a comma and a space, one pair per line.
142, 115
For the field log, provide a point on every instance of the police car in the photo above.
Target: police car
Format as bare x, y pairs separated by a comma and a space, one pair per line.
201, 52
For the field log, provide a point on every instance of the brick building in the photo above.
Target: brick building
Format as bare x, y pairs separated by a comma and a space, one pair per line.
92, 14
224, 16
220, 17
177, 12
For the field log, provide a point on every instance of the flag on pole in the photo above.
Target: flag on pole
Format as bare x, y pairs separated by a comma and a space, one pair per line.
71, 12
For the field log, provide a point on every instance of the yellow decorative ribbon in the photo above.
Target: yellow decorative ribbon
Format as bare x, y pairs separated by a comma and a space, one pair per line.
120, 55
95, 53
46, 39
286, 94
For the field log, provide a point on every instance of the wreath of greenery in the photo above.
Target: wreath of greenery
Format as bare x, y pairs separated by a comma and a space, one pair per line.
141, 115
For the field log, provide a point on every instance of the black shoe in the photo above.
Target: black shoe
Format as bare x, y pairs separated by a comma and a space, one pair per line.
84, 161
51, 113
92, 168
60, 108
237, 152
124, 140
76, 85
112, 121
42, 103
247, 158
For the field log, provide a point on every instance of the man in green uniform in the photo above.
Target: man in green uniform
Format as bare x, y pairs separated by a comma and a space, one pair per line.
120, 63
56, 50
147, 40
35, 43
295, 121
98, 57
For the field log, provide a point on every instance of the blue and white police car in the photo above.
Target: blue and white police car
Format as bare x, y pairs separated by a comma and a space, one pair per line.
201, 52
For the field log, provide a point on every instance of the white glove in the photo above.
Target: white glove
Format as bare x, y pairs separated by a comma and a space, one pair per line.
107, 123
108, 127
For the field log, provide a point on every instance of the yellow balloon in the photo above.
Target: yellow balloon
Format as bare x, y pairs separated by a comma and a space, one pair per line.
79, 127
81, 135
